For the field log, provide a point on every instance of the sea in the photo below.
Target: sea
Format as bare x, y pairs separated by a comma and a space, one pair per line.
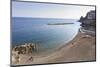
36, 30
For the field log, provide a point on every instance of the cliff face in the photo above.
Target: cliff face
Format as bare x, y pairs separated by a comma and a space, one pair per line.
89, 21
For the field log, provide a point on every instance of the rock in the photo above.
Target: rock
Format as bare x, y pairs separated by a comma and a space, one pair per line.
89, 21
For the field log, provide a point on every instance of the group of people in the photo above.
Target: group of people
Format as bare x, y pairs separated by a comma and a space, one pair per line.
25, 49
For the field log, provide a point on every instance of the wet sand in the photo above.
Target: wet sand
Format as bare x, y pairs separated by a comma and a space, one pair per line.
81, 48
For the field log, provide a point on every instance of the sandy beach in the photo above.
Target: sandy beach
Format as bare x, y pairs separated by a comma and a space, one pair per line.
81, 48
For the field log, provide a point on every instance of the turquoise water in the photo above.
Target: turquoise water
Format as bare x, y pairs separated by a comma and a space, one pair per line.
37, 30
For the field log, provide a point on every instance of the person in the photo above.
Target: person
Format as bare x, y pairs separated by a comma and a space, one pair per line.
31, 58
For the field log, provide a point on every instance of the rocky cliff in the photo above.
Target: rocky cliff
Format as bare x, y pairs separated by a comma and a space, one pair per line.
89, 21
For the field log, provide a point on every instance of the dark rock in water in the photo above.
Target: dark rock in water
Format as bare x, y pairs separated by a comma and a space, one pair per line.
89, 21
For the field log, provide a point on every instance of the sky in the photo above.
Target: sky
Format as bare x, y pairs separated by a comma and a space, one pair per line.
44, 10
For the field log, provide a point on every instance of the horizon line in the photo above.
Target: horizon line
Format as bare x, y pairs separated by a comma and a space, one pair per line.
45, 17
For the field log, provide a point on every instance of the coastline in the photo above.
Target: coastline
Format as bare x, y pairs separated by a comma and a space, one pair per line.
81, 48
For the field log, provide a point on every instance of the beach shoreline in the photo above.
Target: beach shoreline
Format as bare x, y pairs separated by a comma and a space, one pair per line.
81, 48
